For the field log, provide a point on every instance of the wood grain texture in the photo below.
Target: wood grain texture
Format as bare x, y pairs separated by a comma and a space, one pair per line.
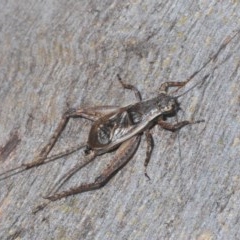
60, 54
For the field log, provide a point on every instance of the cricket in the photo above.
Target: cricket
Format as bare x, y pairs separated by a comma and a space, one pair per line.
118, 129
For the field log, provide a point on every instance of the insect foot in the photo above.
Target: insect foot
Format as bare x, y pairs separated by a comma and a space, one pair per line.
52, 197
40, 207
200, 121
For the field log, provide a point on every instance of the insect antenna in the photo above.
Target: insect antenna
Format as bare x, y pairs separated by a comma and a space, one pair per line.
23, 168
212, 58
191, 88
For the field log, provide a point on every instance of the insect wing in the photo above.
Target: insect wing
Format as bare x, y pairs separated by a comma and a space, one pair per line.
109, 128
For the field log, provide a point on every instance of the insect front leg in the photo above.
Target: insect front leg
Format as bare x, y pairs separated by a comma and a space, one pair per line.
122, 156
92, 114
131, 87
176, 126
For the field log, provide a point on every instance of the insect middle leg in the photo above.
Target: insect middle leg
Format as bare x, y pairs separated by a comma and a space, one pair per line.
122, 156
150, 145
131, 87
165, 86
92, 114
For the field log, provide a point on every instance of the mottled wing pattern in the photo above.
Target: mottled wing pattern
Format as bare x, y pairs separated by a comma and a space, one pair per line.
111, 128
120, 124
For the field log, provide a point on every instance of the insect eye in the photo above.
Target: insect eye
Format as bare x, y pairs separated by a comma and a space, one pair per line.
168, 108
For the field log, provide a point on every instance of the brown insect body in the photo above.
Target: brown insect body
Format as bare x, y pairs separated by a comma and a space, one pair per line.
111, 130
117, 128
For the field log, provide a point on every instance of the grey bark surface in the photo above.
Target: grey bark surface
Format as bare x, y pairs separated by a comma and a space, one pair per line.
61, 54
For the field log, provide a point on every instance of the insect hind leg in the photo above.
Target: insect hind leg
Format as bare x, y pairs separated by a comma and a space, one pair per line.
92, 114
122, 156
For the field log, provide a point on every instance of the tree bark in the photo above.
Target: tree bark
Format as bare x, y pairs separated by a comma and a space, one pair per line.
61, 54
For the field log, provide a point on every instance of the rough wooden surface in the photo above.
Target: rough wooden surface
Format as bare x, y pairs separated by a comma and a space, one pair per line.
56, 54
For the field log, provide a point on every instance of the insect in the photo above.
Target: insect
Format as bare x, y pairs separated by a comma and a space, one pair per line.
116, 129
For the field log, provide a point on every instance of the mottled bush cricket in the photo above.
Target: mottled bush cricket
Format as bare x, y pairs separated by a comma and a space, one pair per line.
116, 128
